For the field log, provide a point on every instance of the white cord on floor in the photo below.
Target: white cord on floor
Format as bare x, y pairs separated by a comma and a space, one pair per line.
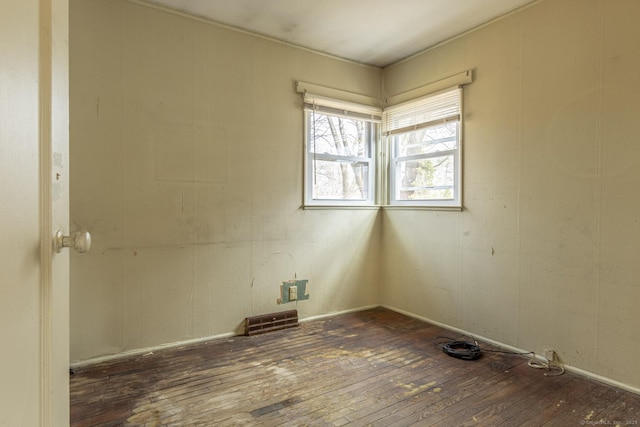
554, 370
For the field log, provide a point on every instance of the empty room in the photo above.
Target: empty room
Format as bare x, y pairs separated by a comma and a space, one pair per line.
321, 213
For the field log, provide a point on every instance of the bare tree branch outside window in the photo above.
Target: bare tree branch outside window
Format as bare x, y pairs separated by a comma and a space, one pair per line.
343, 176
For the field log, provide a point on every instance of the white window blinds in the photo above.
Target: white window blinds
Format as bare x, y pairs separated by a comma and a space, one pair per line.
341, 108
437, 108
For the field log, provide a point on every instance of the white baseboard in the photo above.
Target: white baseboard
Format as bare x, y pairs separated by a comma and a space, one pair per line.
146, 350
337, 313
508, 347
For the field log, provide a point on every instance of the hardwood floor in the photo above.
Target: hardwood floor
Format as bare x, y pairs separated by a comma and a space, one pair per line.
375, 367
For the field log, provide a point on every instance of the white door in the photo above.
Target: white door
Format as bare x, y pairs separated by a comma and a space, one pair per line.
34, 280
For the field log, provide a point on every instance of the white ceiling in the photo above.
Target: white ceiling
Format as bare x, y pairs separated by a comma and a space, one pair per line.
375, 32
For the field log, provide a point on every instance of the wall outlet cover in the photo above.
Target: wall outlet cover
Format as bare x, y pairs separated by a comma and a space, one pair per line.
299, 288
550, 355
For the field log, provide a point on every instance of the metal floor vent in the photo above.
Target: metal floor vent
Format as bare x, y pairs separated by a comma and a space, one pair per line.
270, 322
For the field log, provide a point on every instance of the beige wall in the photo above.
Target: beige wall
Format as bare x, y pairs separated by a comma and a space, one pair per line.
187, 163
545, 254
186, 151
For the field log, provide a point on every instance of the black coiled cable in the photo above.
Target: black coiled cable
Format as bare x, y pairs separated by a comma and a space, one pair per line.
465, 350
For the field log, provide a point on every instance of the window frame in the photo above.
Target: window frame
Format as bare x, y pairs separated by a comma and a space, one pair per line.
391, 143
371, 116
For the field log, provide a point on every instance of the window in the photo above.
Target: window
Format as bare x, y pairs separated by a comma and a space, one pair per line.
418, 162
340, 167
425, 150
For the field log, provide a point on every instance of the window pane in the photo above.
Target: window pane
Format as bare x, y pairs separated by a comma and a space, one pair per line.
426, 179
338, 136
340, 180
433, 139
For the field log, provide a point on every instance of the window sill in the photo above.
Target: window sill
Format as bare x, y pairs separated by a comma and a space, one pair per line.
340, 207
423, 208
384, 207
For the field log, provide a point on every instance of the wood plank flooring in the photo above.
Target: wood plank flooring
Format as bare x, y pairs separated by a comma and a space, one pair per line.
371, 368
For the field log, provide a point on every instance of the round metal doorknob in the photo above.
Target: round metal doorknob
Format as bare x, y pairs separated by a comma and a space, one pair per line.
79, 241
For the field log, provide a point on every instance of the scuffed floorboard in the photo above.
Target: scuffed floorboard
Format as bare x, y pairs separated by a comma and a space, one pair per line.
375, 367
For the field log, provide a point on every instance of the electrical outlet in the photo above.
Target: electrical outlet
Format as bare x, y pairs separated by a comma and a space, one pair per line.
293, 293
550, 355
